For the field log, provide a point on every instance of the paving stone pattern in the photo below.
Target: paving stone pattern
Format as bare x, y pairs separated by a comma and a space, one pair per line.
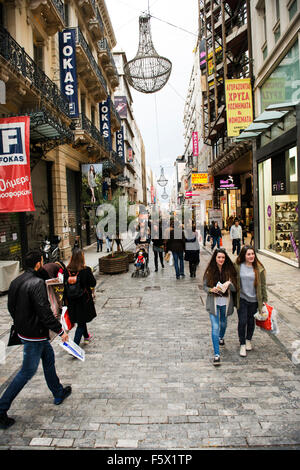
148, 381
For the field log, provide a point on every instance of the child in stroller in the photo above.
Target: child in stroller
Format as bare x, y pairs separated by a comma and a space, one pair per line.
141, 259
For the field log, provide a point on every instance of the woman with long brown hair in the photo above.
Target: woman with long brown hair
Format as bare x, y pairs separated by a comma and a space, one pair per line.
251, 294
78, 294
219, 302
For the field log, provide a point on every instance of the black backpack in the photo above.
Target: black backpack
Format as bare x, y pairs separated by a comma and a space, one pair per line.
73, 289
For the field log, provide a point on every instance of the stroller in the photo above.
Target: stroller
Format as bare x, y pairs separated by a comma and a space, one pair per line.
141, 260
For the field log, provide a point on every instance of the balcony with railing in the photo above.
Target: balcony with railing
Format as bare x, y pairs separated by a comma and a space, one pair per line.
108, 62
49, 13
88, 69
25, 80
89, 138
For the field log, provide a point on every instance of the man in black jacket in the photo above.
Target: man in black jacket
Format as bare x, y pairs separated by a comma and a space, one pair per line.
33, 318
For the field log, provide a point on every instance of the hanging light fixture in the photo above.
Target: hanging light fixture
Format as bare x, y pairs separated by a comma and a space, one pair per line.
148, 72
164, 194
162, 181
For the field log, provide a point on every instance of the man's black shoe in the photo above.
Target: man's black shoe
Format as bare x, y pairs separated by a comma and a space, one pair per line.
5, 421
66, 392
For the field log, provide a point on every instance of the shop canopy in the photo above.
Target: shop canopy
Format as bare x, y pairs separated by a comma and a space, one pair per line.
273, 114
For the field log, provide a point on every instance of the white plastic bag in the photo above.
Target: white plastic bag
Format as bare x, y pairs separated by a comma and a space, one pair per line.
171, 260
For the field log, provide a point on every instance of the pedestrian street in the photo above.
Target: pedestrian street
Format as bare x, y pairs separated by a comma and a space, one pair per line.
148, 381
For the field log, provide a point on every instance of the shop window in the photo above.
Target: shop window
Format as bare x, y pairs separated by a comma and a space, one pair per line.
283, 84
278, 205
293, 8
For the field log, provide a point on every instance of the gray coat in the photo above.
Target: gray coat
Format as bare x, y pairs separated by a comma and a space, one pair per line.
211, 306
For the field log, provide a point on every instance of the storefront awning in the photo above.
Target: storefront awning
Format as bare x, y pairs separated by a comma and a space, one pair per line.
273, 114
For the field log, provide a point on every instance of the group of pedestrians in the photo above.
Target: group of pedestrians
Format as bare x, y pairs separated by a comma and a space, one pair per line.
33, 319
242, 285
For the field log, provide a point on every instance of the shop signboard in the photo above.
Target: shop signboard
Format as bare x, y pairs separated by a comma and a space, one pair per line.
15, 176
278, 175
120, 143
195, 144
199, 178
105, 123
239, 105
68, 71
227, 182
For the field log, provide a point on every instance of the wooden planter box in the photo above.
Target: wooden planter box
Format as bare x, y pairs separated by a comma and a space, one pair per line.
131, 256
118, 263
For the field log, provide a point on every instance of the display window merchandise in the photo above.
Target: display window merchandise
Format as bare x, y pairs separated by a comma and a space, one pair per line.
279, 206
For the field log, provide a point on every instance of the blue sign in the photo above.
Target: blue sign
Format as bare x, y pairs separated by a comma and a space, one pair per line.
120, 143
68, 70
105, 125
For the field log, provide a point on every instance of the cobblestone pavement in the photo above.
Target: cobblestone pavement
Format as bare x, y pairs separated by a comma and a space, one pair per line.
148, 381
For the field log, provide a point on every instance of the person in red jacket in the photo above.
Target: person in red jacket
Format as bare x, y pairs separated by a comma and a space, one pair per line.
30, 309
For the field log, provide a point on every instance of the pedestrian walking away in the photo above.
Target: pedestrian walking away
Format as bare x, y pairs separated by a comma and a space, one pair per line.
99, 236
251, 294
158, 245
31, 312
236, 237
205, 233
192, 249
220, 282
176, 244
78, 295
216, 235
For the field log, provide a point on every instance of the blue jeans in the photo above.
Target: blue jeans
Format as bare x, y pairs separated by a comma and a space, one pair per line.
216, 241
33, 352
218, 327
178, 257
81, 330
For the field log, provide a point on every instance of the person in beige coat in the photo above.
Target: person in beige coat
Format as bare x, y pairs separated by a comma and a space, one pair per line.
250, 296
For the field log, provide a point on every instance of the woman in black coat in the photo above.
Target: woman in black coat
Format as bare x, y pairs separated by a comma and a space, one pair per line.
192, 249
81, 309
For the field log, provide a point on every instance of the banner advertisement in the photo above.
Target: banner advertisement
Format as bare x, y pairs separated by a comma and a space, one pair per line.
105, 125
68, 70
91, 183
130, 155
15, 178
202, 54
195, 144
120, 143
227, 182
199, 178
121, 106
239, 105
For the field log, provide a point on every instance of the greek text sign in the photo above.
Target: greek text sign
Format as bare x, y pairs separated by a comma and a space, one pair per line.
239, 105
15, 180
104, 110
68, 73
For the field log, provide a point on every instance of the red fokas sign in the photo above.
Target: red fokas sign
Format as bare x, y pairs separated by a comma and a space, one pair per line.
15, 180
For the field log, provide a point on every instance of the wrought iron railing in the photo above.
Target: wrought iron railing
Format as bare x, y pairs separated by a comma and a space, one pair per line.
80, 39
85, 124
20, 62
60, 8
103, 46
98, 15
116, 159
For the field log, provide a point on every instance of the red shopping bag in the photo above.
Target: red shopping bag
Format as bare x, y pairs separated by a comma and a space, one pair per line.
65, 320
266, 324
221, 242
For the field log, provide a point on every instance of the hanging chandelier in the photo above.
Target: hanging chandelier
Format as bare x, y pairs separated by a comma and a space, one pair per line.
164, 194
148, 72
162, 181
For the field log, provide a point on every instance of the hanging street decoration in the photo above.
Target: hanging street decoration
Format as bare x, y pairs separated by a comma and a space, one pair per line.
162, 181
164, 194
148, 72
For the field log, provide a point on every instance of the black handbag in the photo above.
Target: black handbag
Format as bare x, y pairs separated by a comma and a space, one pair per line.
13, 339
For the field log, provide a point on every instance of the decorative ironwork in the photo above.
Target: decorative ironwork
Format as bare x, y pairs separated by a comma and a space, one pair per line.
22, 63
162, 181
148, 72
84, 123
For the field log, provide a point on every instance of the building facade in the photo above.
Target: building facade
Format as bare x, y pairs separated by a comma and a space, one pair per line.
274, 133
64, 135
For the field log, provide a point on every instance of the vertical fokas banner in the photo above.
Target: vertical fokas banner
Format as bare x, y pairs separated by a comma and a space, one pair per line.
68, 73
120, 143
104, 111
15, 180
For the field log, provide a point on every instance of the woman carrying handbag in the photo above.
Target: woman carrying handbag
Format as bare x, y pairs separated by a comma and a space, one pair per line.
78, 292
251, 294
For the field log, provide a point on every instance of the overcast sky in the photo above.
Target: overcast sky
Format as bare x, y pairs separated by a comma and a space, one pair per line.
160, 115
